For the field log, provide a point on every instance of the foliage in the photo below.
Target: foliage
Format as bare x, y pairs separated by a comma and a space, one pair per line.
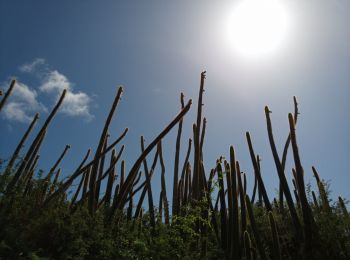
43, 216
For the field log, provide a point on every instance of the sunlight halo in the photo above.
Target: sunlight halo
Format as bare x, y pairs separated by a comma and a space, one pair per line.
258, 27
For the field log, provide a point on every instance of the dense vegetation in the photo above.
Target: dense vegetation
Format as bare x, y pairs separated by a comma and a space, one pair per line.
212, 215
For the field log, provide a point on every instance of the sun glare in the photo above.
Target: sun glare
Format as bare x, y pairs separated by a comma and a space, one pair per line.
258, 27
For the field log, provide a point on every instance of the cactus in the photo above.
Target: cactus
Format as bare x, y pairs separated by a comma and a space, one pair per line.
132, 173
99, 150
47, 179
86, 182
165, 199
186, 159
258, 174
160, 207
129, 211
275, 239
257, 238
111, 178
223, 218
21, 144
7, 94
343, 208
196, 139
315, 200
235, 217
247, 246
78, 189
149, 188
187, 183
100, 170
281, 175
255, 181
144, 191
285, 149
70, 180
53, 168
242, 202
307, 213
322, 191
31, 162
176, 163
37, 142
27, 180
237, 233
230, 206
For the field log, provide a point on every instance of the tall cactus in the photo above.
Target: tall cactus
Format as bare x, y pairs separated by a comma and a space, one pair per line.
149, 187
37, 141
285, 149
343, 208
322, 191
242, 202
7, 94
222, 207
281, 175
176, 163
307, 213
21, 144
196, 139
230, 206
247, 246
255, 229
132, 173
163, 184
258, 173
235, 217
98, 153
276, 244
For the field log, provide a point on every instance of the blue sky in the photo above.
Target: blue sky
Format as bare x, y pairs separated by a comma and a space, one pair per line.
157, 50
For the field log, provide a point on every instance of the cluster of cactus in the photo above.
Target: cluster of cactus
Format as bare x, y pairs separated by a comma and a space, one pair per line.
234, 219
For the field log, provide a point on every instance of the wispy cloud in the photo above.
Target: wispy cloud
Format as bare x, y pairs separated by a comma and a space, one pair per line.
16, 111
75, 103
32, 66
55, 81
24, 101
23, 104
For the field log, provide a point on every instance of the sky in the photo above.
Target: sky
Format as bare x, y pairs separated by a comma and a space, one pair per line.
156, 50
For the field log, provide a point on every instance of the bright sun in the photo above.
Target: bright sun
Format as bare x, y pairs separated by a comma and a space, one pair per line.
259, 27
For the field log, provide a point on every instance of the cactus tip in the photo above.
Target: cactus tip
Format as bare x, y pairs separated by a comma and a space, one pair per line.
291, 119
267, 110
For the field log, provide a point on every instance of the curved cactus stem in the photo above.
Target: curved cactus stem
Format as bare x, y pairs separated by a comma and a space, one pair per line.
37, 142
281, 175
21, 144
7, 94
258, 174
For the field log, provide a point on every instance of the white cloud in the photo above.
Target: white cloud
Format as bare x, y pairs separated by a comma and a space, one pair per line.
55, 81
77, 104
32, 66
22, 104
74, 104
16, 112
23, 93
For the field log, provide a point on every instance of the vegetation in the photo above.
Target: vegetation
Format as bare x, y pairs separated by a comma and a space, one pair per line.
212, 216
